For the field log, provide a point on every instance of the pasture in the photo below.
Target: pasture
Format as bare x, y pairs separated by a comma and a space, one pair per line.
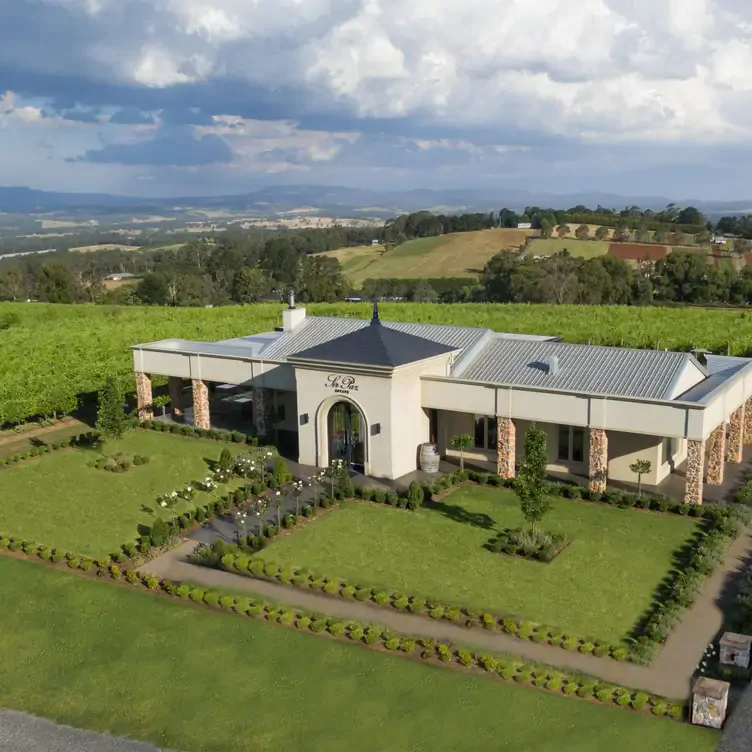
462, 254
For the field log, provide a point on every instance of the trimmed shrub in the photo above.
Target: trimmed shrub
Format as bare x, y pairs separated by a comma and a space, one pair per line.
417, 605
640, 701
183, 590
355, 632
400, 602
509, 626
570, 688
363, 594
87, 564
586, 691
444, 653
337, 629
332, 587
381, 597
211, 598
676, 711
554, 683
392, 644
271, 569
319, 625
348, 591
464, 657
586, 647
197, 595
660, 708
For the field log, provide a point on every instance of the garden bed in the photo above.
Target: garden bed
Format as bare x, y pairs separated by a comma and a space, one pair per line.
532, 545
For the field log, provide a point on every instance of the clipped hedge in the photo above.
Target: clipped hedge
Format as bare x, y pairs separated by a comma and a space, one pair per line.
84, 439
234, 437
544, 678
231, 559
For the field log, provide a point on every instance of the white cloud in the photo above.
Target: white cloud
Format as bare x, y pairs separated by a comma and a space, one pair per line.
9, 112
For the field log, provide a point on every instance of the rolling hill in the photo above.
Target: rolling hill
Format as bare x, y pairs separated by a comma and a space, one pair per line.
461, 254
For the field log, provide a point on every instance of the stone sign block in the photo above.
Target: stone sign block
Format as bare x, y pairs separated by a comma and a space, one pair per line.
709, 702
735, 649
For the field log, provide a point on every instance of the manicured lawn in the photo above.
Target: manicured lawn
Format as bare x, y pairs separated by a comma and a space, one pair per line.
600, 585
58, 500
94, 655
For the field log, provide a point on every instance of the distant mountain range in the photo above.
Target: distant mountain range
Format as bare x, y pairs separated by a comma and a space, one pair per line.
337, 201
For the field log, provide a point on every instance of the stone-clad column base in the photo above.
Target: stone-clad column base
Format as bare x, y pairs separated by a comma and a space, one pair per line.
695, 468
143, 396
715, 452
735, 440
598, 466
748, 421
200, 404
176, 396
506, 447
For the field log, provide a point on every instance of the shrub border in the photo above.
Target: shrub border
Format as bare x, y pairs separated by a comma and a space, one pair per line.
47, 448
375, 637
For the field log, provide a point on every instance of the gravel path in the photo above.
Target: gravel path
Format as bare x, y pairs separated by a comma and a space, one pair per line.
20, 732
669, 676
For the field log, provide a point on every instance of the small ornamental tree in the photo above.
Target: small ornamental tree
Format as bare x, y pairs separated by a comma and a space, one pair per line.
226, 460
462, 441
640, 468
530, 486
111, 413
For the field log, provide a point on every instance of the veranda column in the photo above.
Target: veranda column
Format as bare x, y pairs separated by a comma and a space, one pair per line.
200, 404
695, 469
260, 408
598, 470
143, 396
176, 396
735, 441
715, 451
506, 447
748, 421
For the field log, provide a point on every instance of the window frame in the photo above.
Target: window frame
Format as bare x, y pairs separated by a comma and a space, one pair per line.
489, 439
571, 432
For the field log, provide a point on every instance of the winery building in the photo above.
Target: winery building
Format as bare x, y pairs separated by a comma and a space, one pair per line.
372, 393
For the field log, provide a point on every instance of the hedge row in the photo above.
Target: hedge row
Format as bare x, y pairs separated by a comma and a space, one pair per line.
621, 499
243, 563
235, 437
428, 649
724, 525
83, 439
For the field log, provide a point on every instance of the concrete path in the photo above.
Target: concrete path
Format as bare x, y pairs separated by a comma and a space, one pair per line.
669, 676
21, 732
702, 624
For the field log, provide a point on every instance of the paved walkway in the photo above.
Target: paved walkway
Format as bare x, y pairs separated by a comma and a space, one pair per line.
21, 732
669, 676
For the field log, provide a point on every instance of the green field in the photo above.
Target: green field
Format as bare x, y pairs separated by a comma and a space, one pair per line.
53, 352
461, 254
601, 584
94, 655
59, 501
581, 248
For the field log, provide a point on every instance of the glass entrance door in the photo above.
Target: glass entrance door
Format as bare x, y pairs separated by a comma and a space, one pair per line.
347, 435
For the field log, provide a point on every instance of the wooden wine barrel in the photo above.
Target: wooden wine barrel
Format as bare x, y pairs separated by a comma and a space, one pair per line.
429, 458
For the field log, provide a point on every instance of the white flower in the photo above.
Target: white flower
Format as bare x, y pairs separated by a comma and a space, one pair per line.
163, 503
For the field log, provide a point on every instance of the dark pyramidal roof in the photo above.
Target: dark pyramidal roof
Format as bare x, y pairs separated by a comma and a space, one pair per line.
375, 345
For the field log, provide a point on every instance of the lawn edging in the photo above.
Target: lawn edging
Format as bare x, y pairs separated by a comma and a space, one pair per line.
373, 637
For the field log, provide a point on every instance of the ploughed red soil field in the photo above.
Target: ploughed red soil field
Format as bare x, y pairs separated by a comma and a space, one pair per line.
637, 251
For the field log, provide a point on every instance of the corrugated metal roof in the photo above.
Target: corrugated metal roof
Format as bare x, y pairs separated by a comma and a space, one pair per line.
589, 369
721, 369
724, 363
316, 330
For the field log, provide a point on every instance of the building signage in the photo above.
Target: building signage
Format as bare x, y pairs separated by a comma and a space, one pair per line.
341, 384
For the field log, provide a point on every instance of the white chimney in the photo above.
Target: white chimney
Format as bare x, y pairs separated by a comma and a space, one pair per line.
292, 317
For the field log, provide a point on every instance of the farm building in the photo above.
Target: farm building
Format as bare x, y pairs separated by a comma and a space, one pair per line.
373, 393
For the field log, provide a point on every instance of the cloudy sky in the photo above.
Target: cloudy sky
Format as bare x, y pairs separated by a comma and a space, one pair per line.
178, 97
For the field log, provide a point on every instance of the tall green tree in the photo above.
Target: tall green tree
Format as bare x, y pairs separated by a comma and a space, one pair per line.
111, 412
531, 487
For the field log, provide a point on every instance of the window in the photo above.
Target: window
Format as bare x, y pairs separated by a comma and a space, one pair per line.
571, 444
485, 432
668, 450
